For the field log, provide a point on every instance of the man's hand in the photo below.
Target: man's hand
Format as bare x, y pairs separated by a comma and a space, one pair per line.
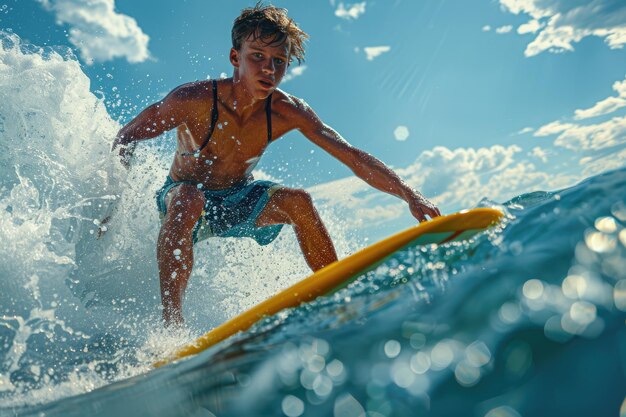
125, 150
420, 206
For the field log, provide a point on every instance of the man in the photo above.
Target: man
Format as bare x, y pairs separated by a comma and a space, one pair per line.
223, 129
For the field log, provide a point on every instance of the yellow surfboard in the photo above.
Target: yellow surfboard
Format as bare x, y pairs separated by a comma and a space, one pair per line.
457, 226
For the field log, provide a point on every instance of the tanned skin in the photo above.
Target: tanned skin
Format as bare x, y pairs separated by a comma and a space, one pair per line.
230, 155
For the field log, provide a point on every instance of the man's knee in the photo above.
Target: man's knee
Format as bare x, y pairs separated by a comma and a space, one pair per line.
296, 203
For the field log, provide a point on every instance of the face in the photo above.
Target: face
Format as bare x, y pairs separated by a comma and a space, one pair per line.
260, 67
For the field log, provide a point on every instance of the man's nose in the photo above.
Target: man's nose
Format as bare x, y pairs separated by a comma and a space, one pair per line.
269, 67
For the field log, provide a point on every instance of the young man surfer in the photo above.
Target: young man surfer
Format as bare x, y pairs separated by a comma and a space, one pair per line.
223, 128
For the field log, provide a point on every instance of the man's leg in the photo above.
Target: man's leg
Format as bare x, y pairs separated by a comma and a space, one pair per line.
295, 207
175, 248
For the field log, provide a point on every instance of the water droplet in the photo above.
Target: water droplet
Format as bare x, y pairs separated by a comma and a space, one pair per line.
292, 406
392, 348
466, 374
574, 286
420, 363
606, 224
600, 242
478, 354
323, 385
334, 368
402, 375
316, 363
417, 340
533, 289
509, 313
583, 312
441, 356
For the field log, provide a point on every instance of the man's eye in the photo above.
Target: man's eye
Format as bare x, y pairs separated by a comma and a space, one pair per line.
279, 61
258, 55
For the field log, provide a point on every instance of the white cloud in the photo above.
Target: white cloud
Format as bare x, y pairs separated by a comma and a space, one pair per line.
593, 137
525, 6
461, 177
595, 165
606, 106
525, 130
401, 133
486, 28
554, 39
553, 128
620, 87
353, 11
504, 29
530, 27
586, 137
539, 153
294, 72
98, 31
372, 52
562, 23
455, 175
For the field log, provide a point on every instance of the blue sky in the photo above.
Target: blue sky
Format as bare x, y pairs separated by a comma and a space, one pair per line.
499, 97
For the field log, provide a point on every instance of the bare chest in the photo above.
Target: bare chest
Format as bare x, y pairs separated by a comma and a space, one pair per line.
229, 139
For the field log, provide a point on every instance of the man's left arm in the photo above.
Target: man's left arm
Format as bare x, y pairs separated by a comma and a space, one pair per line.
365, 166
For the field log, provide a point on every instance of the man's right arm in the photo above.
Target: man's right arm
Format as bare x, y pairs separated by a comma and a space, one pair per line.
157, 118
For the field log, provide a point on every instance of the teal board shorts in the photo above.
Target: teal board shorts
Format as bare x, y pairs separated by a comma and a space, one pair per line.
231, 212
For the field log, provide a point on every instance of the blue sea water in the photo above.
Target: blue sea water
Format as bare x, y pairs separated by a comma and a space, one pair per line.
526, 319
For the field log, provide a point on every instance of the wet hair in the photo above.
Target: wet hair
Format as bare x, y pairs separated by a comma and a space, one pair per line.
272, 26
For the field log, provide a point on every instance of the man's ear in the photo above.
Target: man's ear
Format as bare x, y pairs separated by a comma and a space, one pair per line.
234, 57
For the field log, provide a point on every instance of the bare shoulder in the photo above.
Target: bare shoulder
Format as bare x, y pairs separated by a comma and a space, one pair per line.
294, 109
190, 100
193, 91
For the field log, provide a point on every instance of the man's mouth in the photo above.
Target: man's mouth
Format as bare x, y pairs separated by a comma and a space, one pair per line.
266, 83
